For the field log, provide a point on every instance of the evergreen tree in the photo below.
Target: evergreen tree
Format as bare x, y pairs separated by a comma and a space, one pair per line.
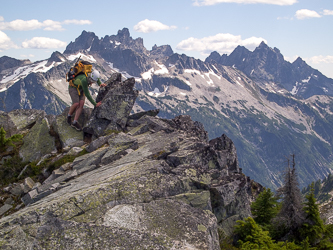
265, 207
291, 213
317, 188
251, 235
313, 228
4, 142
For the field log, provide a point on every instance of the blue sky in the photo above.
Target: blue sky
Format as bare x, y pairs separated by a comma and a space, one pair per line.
34, 29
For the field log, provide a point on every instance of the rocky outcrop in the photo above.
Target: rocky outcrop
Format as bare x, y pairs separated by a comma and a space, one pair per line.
161, 52
117, 101
153, 183
165, 187
68, 136
40, 140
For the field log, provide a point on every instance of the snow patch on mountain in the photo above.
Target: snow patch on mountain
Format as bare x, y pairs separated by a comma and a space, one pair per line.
148, 74
83, 57
3, 89
162, 69
158, 93
123, 73
306, 80
295, 89
23, 71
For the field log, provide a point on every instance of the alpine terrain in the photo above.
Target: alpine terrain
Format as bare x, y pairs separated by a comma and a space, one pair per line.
268, 107
126, 182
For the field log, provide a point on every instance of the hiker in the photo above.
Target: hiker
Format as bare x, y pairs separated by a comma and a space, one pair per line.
78, 92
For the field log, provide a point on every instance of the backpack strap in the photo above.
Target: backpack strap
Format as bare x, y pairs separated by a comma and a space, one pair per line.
75, 86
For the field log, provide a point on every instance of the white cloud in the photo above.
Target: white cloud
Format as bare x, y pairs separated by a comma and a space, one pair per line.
43, 43
20, 25
27, 56
52, 25
78, 22
222, 43
328, 12
5, 42
305, 13
147, 26
213, 2
320, 59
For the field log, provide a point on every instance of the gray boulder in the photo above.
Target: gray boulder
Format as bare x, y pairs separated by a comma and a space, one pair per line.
20, 119
68, 136
166, 188
38, 142
117, 101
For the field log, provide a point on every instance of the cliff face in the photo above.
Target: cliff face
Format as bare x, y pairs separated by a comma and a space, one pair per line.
155, 183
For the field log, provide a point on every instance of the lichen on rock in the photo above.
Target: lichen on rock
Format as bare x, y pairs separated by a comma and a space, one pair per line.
158, 184
40, 140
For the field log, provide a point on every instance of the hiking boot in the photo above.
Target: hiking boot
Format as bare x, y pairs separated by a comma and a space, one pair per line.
69, 120
77, 126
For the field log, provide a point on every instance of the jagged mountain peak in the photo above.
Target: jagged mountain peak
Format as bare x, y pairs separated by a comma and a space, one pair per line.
7, 62
83, 42
214, 56
241, 48
184, 62
299, 62
124, 34
159, 52
266, 64
57, 57
263, 45
263, 49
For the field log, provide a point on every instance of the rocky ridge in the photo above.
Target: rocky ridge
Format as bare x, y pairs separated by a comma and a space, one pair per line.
257, 98
268, 64
150, 182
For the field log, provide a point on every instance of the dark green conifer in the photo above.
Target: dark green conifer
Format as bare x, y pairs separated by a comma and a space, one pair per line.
251, 235
4, 142
265, 207
313, 228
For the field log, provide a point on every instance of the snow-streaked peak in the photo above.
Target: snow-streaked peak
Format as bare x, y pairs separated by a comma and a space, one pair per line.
83, 57
159, 69
23, 71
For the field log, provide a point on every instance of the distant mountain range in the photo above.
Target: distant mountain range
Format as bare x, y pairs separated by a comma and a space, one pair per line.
270, 108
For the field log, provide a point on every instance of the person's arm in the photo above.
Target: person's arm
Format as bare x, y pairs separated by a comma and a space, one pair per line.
100, 83
84, 84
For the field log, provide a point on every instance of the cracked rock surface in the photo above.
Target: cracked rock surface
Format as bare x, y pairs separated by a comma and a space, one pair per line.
159, 184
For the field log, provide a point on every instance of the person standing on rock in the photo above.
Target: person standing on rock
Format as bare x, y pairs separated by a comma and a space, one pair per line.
78, 94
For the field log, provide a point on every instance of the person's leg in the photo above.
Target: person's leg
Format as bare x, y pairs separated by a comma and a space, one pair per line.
75, 103
73, 108
79, 110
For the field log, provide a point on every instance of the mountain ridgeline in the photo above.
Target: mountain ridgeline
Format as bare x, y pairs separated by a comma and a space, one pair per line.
268, 107
266, 64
